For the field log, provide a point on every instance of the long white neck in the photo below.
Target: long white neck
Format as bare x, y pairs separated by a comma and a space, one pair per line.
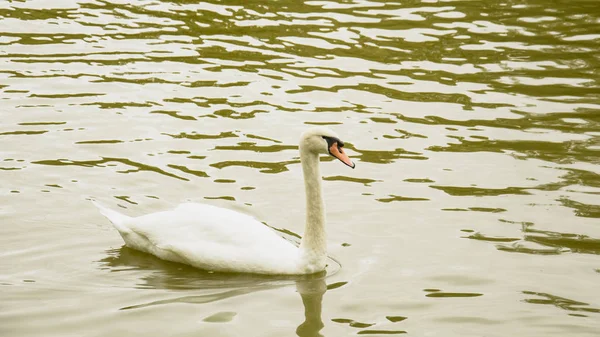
313, 248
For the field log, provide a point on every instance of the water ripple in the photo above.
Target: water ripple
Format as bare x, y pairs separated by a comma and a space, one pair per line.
476, 118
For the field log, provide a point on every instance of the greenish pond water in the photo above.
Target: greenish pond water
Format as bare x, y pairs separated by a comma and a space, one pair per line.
475, 127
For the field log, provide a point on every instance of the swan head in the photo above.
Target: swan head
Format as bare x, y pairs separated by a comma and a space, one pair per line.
322, 140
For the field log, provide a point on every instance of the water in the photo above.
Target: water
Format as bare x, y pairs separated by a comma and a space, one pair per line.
473, 209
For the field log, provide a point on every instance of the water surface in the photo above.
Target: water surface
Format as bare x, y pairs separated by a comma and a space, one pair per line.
473, 209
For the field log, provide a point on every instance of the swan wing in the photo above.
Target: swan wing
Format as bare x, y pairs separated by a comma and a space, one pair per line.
213, 238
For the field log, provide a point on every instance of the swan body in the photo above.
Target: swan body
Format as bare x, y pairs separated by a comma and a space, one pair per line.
219, 239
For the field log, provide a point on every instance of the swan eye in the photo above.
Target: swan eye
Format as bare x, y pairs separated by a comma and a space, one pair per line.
334, 141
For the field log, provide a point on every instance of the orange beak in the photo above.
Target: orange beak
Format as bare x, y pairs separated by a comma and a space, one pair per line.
339, 153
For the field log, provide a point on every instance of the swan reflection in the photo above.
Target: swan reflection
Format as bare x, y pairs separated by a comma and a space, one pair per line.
311, 291
160, 274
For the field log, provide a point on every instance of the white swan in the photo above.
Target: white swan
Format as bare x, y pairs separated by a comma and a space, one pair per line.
219, 239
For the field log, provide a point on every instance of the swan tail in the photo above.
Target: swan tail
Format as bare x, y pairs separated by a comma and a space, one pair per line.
117, 219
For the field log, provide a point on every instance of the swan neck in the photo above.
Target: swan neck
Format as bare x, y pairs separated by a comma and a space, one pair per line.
313, 248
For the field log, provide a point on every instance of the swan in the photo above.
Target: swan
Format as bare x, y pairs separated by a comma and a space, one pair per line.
219, 239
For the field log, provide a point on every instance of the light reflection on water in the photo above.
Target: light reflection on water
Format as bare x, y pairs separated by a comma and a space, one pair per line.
474, 126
